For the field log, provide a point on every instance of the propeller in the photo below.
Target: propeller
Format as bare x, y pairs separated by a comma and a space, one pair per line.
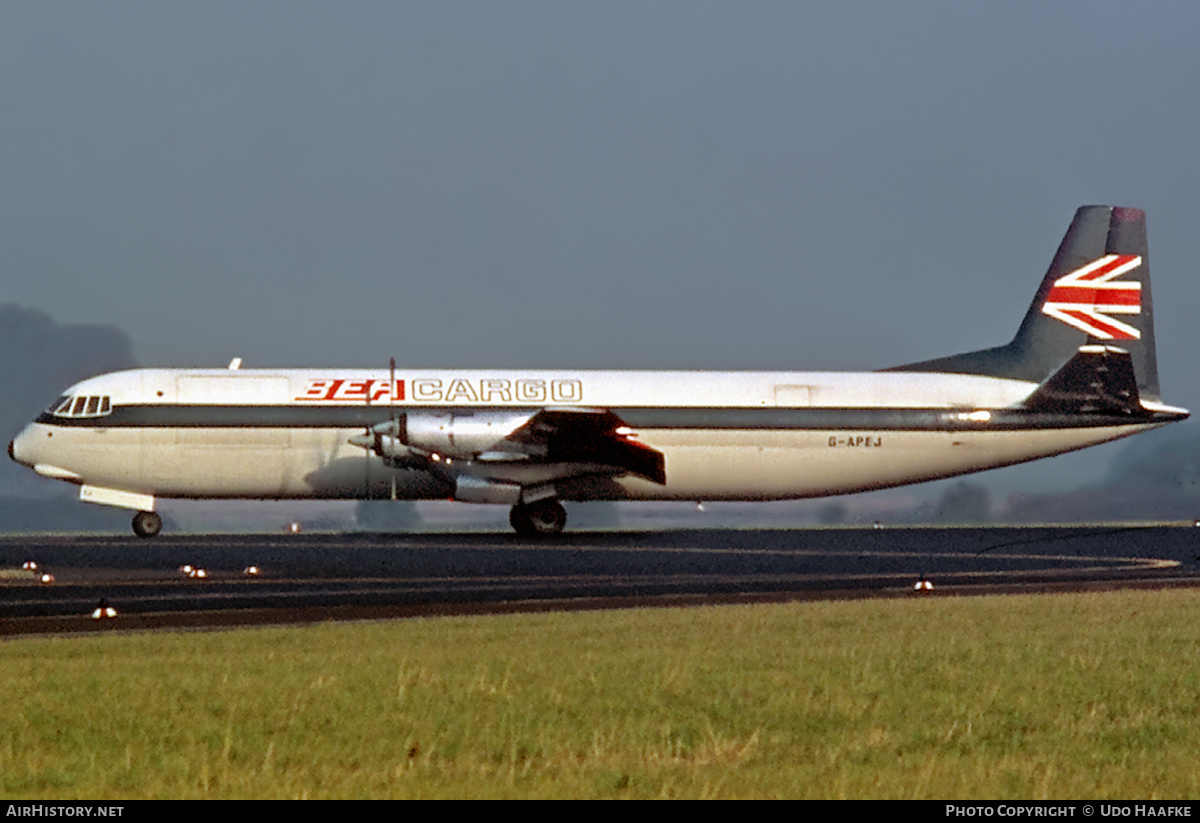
369, 437
372, 438
395, 423
387, 440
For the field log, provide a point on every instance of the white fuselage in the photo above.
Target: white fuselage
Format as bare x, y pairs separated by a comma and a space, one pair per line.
272, 434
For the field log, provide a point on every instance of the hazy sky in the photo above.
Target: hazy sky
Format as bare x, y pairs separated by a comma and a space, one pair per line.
793, 185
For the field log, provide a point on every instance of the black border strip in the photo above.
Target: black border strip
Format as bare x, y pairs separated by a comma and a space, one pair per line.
748, 419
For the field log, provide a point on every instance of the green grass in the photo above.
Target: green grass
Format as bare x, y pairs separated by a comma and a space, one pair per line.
1092, 696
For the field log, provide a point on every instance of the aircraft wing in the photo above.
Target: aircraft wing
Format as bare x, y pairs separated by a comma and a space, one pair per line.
573, 435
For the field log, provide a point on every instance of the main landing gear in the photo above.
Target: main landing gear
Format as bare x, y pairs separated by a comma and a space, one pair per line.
146, 524
540, 518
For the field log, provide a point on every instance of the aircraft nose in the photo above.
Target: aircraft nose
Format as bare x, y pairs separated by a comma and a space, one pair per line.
18, 448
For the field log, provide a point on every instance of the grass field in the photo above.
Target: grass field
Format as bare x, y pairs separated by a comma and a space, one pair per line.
1069, 696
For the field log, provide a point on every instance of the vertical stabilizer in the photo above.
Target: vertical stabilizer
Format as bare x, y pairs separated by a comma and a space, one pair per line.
1096, 292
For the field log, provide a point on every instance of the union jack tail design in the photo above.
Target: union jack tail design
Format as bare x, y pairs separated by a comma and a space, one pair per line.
1087, 297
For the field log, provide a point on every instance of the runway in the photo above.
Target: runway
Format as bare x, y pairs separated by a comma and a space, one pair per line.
315, 577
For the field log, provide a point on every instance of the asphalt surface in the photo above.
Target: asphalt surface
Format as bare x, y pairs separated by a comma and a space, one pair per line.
315, 577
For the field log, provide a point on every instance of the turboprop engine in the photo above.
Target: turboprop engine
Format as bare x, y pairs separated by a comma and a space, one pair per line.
460, 435
416, 438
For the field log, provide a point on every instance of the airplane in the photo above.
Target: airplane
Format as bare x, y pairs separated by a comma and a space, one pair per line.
1080, 371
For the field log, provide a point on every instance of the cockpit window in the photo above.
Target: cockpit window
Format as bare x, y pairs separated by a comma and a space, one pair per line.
82, 406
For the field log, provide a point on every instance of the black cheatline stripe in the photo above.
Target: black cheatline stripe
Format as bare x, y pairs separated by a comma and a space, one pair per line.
817, 419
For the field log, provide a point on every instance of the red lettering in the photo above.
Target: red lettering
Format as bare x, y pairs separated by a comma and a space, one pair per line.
382, 390
316, 390
357, 388
369, 391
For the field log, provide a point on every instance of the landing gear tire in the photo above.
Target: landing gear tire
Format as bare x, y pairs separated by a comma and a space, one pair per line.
146, 524
541, 518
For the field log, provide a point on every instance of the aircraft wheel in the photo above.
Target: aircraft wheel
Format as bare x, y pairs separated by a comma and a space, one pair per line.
146, 524
540, 518
518, 518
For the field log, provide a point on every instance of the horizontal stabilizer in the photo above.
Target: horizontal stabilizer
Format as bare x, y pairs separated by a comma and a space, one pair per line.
1098, 380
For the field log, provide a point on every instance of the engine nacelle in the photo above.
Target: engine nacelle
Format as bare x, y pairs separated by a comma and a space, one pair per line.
398, 455
475, 490
457, 435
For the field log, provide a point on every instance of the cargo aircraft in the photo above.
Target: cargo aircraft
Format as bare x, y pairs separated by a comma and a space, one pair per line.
1080, 371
